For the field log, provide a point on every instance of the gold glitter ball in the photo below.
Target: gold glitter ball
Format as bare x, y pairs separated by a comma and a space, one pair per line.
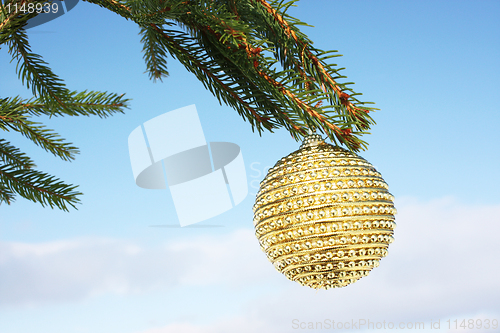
324, 216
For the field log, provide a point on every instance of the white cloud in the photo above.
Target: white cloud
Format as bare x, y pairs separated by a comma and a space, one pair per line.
240, 324
443, 264
70, 270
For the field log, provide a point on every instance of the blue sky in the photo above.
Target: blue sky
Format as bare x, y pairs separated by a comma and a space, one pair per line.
432, 67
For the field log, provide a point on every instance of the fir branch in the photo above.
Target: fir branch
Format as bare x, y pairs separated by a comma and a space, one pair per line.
37, 187
32, 70
115, 6
11, 117
243, 40
13, 156
45, 138
6, 19
244, 70
182, 47
234, 47
154, 54
301, 56
6, 195
13, 20
253, 54
85, 103
52, 98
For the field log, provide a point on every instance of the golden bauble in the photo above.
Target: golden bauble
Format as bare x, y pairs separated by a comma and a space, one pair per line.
324, 216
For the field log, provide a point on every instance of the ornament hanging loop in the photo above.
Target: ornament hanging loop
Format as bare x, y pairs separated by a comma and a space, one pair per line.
312, 139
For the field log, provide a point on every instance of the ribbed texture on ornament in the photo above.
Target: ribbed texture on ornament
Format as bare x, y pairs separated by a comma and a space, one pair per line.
324, 216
